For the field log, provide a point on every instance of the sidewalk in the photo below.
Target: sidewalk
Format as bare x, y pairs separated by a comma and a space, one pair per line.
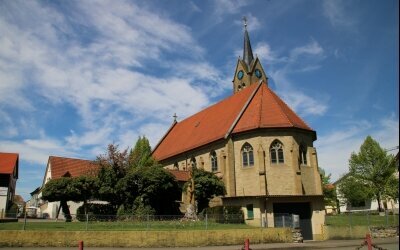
388, 243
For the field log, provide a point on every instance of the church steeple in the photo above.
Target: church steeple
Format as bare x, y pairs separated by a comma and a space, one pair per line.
247, 51
248, 69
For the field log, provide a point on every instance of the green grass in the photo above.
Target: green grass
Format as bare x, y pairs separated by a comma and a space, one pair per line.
359, 219
121, 226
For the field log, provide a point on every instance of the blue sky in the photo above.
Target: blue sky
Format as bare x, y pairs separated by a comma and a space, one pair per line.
78, 75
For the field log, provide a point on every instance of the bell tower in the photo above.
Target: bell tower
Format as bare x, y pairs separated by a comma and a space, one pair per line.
248, 69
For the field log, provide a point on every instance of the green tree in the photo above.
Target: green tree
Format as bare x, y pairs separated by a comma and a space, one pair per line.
206, 187
329, 191
113, 167
140, 155
150, 189
373, 167
354, 191
83, 188
59, 190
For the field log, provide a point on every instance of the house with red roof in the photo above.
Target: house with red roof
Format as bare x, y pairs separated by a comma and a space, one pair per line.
58, 167
9, 163
261, 149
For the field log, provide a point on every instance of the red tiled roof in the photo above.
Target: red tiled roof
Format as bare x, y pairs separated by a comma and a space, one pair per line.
257, 106
8, 162
61, 166
179, 174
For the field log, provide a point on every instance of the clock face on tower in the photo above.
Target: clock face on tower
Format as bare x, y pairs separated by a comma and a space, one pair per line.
258, 73
240, 75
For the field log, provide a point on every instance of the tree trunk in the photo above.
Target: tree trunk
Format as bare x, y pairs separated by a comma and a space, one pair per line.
65, 209
378, 197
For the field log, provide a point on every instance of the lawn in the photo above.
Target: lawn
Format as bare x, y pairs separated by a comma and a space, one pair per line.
120, 225
361, 219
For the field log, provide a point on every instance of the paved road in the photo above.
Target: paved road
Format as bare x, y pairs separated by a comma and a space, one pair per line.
389, 243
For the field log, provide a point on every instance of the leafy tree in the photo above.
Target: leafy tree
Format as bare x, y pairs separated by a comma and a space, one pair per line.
83, 188
206, 187
150, 190
59, 190
113, 167
328, 189
354, 191
140, 155
374, 168
67, 189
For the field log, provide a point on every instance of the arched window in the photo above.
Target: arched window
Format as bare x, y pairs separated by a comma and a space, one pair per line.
193, 163
276, 151
247, 155
303, 155
214, 161
176, 166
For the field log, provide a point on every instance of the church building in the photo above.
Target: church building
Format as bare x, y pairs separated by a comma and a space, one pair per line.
261, 149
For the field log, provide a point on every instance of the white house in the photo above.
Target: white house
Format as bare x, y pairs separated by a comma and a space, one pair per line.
8, 180
58, 167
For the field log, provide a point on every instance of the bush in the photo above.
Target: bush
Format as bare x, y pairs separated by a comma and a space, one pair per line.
99, 212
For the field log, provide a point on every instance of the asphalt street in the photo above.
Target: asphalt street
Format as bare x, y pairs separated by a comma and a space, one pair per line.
388, 243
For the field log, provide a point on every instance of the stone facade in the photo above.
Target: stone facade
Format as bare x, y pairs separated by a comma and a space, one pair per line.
263, 183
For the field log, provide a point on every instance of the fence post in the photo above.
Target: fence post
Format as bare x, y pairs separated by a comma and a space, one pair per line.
351, 230
206, 221
87, 221
387, 218
24, 222
283, 220
368, 218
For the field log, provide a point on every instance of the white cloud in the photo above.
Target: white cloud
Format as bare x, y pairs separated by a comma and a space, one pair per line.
312, 48
36, 150
335, 148
45, 53
263, 50
338, 13
229, 6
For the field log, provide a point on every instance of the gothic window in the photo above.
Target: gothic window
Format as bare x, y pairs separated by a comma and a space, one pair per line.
176, 167
303, 155
247, 155
214, 161
276, 152
193, 163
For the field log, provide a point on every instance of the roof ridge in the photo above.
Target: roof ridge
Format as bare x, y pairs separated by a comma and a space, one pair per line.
54, 156
247, 103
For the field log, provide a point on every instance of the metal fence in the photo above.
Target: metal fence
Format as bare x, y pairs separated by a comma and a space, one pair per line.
370, 218
93, 222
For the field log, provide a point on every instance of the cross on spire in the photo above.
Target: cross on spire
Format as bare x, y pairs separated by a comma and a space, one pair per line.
245, 22
175, 116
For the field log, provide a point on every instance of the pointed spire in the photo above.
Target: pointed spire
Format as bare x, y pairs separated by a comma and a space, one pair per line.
247, 51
